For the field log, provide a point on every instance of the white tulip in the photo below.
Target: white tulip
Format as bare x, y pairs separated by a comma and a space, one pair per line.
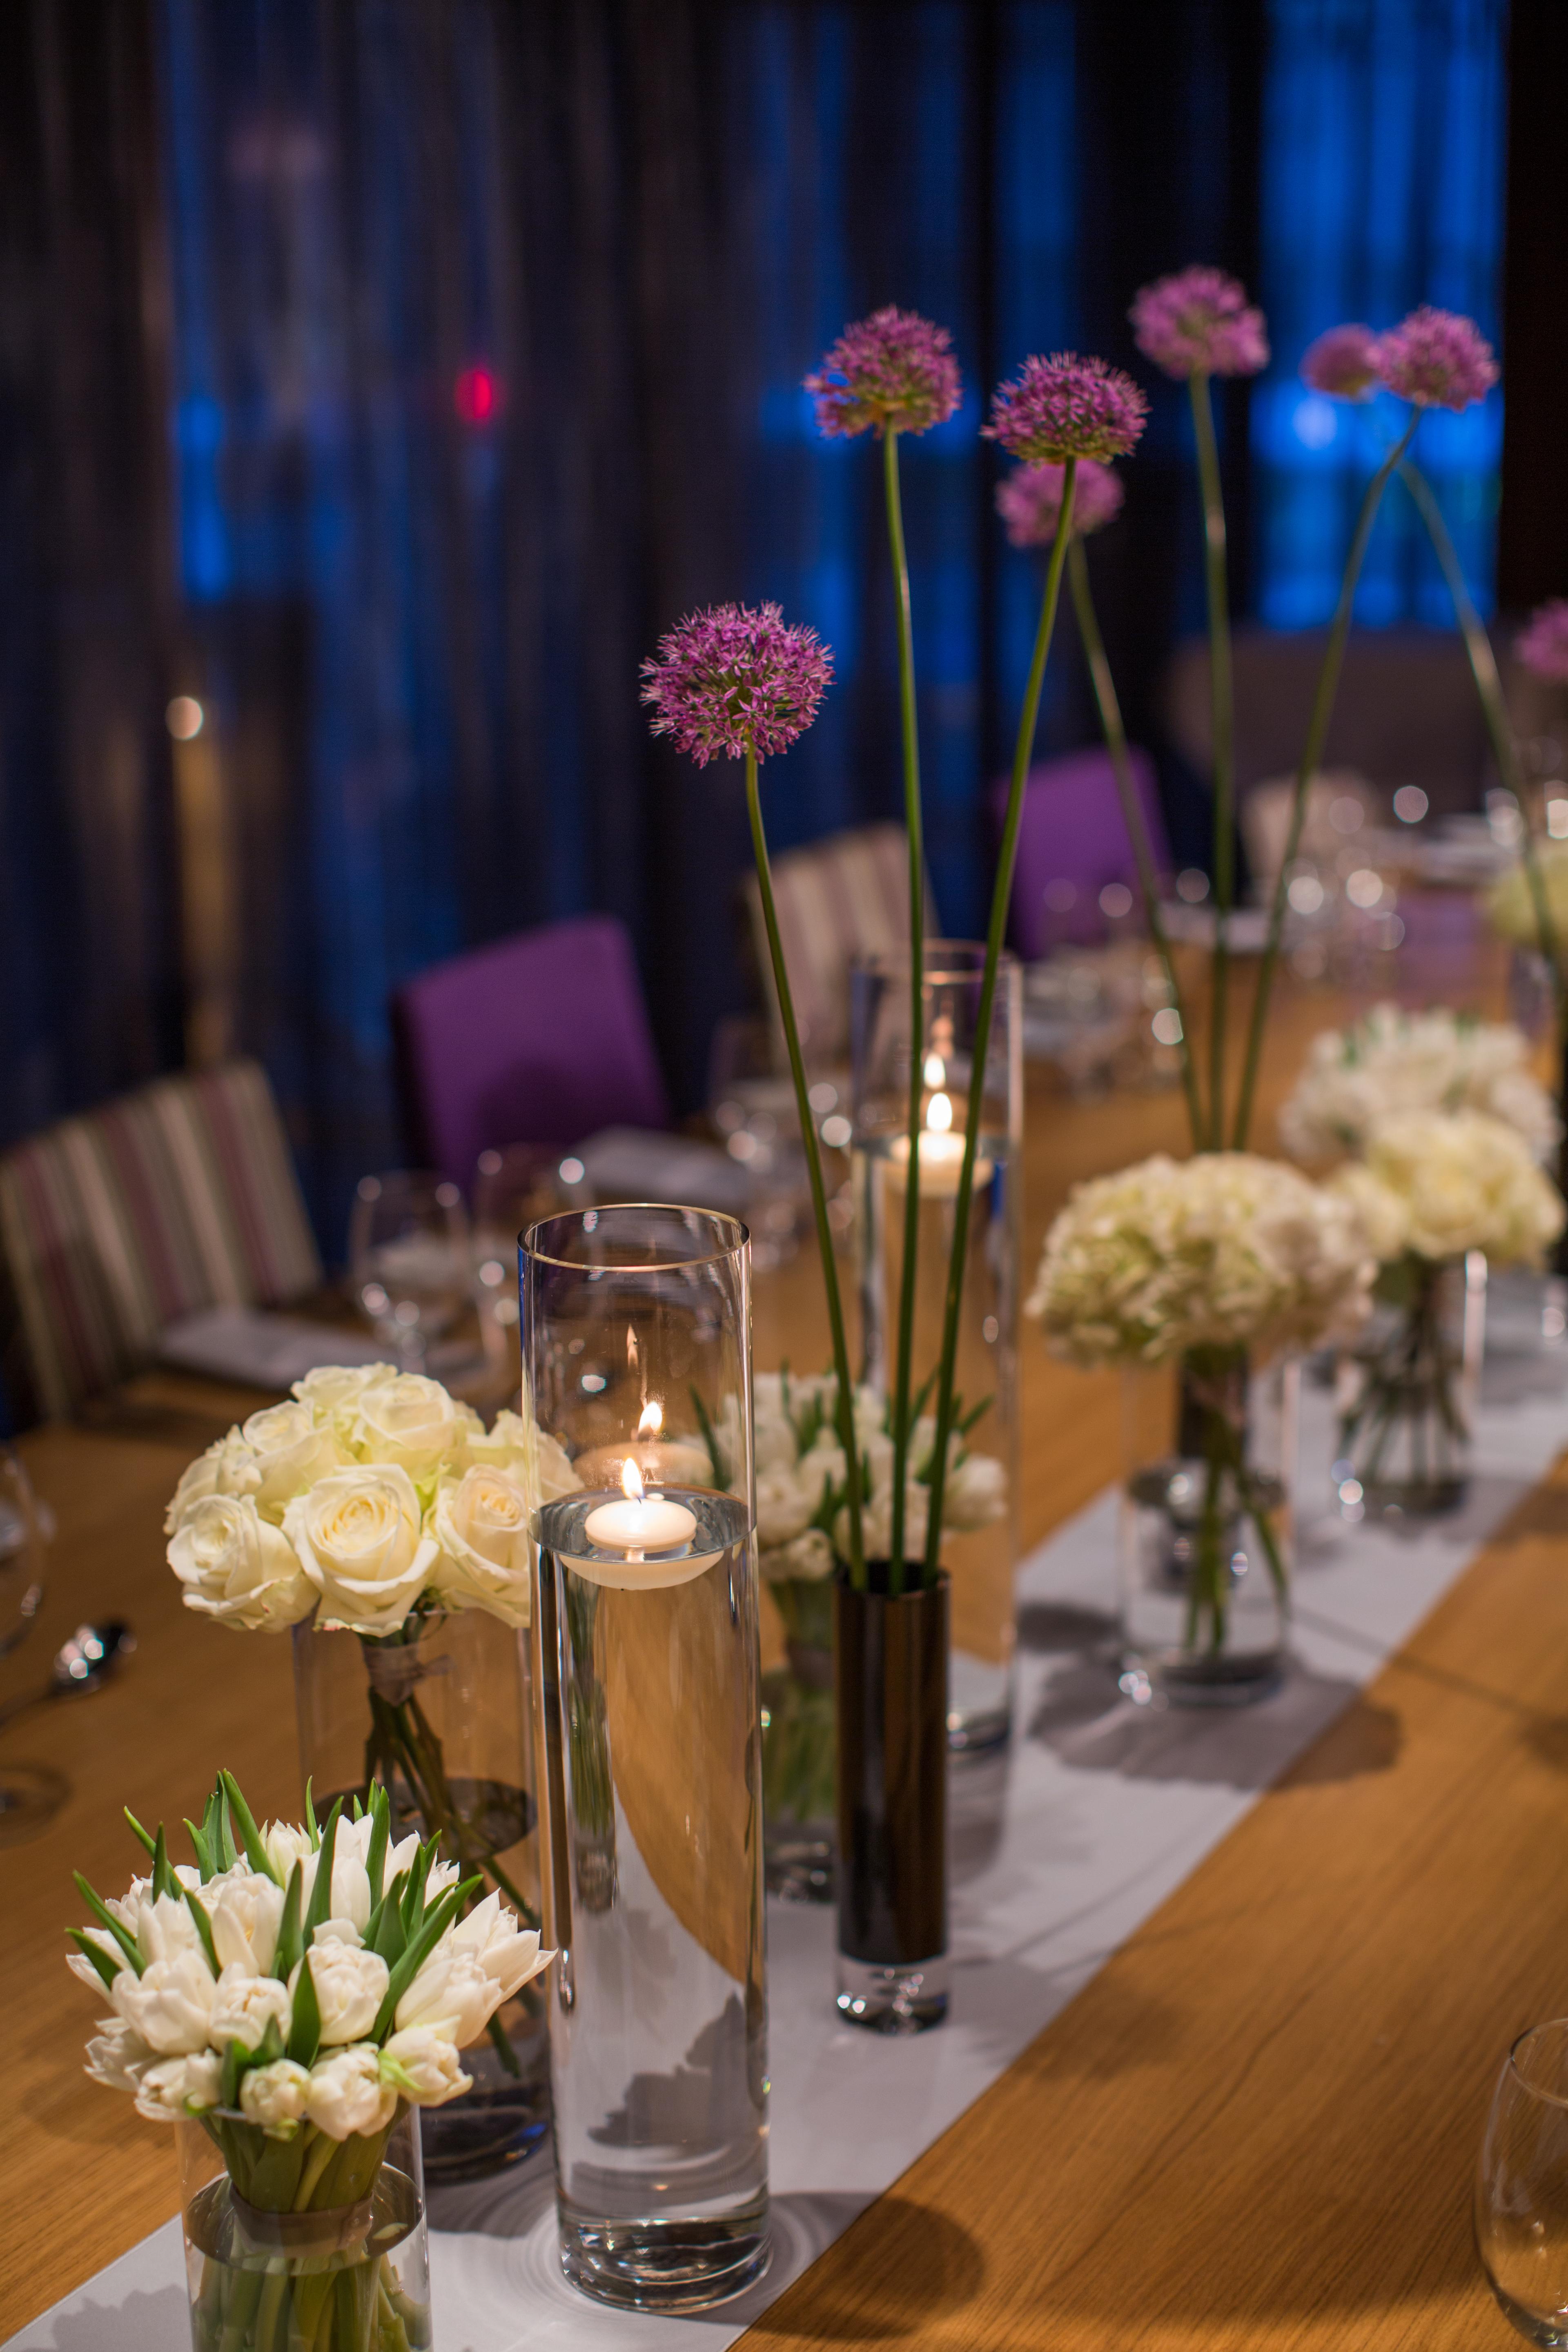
422, 2064
237, 1569
409, 1421
508, 1954
286, 1845
169, 2004
246, 1910
292, 1450
117, 2056
351, 1902
351, 1985
226, 1468
976, 1492
165, 1929
481, 1523
804, 1559
274, 2097
180, 2087
244, 2007
346, 2094
80, 1966
358, 1534
451, 1994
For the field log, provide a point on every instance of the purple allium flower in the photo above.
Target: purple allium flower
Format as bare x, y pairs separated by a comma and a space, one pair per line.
733, 679
1066, 407
1436, 358
893, 371
1542, 644
1030, 501
1342, 362
1198, 321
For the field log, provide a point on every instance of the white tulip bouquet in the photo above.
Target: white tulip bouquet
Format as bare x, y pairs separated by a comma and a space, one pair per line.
291, 1993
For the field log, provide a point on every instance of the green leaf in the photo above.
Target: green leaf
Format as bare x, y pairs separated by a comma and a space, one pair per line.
321, 1904
256, 1854
163, 1879
385, 1933
96, 1955
290, 1944
305, 2035
436, 1922
229, 2083
358, 1812
106, 1919
413, 1893
380, 1833
150, 1843
220, 1830
311, 1816
715, 1452
203, 1928
965, 1421
269, 2049
202, 1851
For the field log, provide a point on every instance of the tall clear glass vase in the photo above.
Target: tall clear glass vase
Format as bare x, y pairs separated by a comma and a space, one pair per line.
979, 1546
1405, 1392
636, 1356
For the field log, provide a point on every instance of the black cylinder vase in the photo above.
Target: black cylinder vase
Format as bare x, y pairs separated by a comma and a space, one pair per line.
890, 1705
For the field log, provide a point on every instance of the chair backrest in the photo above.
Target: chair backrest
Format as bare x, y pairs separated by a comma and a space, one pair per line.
180, 1196
1072, 841
540, 1038
837, 899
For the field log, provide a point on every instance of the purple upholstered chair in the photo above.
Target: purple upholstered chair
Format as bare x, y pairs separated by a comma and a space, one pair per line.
1072, 843
542, 1038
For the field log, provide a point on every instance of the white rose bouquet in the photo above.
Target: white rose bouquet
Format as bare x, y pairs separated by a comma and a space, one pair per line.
293, 1993
1397, 1061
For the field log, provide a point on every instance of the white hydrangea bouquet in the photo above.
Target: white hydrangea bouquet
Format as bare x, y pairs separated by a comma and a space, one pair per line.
1397, 1061
293, 1994
1212, 1264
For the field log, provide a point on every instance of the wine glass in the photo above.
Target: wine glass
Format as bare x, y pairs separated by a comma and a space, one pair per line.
1521, 2185
408, 1252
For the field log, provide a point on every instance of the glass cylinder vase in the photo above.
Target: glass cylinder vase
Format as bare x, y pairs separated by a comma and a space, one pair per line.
439, 1713
979, 1543
306, 2241
798, 1744
1209, 1445
1406, 1394
636, 1356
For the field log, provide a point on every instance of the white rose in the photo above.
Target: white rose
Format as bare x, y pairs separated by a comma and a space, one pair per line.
345, 2094
180, 2087
292, 1450
244, 2006
481, 1523
333, 1391
117, 2056
351, 1985
451, 1994
274, 2097
246, 1910
500, 1448
236, 1568
169, 2004
424, 2066
358, 1534
541, 1465
228, 1467
410, 1421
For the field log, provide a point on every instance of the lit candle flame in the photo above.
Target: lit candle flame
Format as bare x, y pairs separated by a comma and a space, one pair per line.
631, 1481
935, 1071
652, 1420
938, 1114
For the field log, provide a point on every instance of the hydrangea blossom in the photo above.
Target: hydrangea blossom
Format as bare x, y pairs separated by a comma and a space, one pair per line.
893, 372
1030, 501
1199, 322
1436, 358
1067, 407
1438, 1183
1543, 643
736, 679
1342, 362
1397, 1061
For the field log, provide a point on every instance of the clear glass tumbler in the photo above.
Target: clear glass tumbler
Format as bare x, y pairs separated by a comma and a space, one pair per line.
1521, 2185
1405, 1392
636, 1359
409, 1253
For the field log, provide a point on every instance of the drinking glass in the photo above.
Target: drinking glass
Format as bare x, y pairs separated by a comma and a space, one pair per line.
637, 1359
1521, 2185
408, 1249
28, 1794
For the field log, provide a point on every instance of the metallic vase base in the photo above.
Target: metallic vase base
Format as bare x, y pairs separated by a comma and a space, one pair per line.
908, 1998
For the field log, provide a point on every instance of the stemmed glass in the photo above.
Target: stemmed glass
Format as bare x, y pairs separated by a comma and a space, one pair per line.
1521, 2185
27, 1795
408, 1251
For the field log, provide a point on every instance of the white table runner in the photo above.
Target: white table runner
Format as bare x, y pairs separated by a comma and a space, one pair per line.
1059, 1852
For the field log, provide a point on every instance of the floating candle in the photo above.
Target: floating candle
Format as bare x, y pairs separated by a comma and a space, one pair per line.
940, 1156
643, 1523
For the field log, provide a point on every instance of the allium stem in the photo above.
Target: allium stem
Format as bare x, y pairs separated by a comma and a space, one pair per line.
845, 1415
1001, 898
1222, 698
1115, 735
909, 730
1311, 752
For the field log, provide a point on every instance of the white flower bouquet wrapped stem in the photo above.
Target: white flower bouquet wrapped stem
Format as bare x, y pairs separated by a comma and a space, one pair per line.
292, 1995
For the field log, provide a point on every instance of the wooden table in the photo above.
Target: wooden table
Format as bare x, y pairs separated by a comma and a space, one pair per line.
1255, 2126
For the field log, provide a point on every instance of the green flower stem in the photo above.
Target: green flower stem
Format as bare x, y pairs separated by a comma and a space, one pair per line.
1115, 735
999, 898
845, 1415
1311, 752
910, 737
1500, 730
1222, 704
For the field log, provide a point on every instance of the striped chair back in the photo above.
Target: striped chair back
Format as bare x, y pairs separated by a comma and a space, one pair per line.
836, 900
180, 1196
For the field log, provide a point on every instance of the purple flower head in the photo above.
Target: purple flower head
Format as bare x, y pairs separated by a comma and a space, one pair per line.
1342, 362
1436, 358
1030, 501
892, 371
1066, 407
733, 679
1198, 321
1542, 644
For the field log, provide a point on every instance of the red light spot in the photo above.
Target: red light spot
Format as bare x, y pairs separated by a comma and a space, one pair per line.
475, 395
